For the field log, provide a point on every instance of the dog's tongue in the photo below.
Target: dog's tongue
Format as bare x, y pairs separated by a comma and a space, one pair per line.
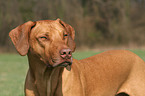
68, 67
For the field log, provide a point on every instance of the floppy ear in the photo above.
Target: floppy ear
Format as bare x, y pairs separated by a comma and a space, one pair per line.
20, 35
71, 44
71, 36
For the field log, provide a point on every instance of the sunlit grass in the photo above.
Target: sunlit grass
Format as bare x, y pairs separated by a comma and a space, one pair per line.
12, 74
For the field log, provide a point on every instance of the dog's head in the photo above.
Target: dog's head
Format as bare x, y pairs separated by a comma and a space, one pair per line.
51, 40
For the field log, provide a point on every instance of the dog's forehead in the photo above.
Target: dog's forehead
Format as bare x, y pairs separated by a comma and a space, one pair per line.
48, 26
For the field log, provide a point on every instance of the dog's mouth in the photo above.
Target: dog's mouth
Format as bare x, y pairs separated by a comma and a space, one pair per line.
66, 64
60, 63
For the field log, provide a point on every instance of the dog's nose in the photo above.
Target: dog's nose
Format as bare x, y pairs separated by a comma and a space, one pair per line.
66, 53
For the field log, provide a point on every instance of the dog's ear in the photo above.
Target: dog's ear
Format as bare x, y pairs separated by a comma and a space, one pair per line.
20, 36
71, 33
71, 44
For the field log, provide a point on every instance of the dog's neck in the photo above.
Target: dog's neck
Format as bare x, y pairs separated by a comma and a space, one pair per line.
55, 82
51, 75
37, 66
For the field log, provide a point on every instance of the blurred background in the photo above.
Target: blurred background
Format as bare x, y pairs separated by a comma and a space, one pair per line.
98, 23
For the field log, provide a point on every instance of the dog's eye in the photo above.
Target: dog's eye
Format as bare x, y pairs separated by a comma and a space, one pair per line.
43, 38
65, 35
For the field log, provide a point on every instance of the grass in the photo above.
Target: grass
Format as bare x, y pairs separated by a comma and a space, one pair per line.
13, 69
12, 74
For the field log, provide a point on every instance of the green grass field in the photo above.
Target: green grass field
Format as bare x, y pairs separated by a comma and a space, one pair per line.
13, 70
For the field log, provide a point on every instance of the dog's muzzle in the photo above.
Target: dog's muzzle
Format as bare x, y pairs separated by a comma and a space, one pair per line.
66, 64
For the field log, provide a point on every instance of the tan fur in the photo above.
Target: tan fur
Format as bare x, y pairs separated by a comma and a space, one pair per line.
105, 74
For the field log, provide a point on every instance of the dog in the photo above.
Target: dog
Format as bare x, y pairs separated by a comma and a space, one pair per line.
49, 45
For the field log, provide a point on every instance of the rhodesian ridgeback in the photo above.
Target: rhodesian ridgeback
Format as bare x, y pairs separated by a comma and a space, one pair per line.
52, 71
